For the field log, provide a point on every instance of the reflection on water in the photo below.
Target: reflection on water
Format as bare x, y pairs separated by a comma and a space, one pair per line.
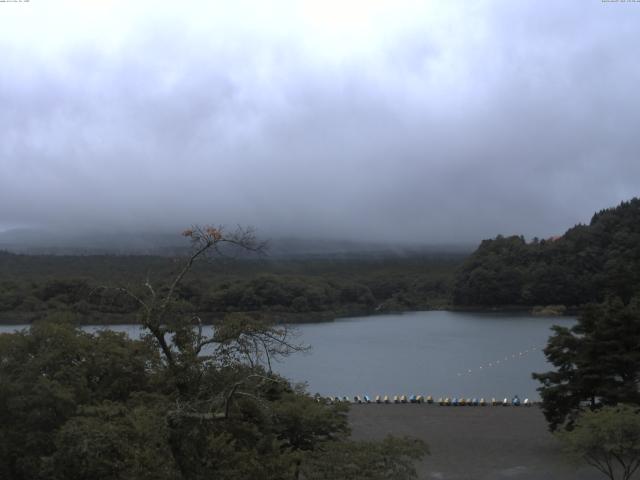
431, 353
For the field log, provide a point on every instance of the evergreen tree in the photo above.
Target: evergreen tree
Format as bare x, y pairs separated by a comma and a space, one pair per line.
586, 264
597, 362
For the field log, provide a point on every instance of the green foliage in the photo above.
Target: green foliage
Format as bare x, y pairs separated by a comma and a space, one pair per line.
176, 405
46, 374
597, 362
293, 290
114, 441
75, 405
607, 439
586, 264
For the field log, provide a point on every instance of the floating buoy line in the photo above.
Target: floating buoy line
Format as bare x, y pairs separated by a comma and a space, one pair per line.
501, 361
448, 401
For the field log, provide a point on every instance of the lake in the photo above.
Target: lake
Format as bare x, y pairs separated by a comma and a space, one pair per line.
437, 353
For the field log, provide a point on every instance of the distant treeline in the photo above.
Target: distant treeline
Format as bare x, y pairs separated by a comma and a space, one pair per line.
31, 287
586, 264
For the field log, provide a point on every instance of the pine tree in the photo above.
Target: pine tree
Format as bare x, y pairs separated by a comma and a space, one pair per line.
597, 362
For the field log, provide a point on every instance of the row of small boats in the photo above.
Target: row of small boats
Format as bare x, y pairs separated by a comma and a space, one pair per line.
443, 401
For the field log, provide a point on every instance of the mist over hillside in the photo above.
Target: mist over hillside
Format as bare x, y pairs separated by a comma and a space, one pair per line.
55, 242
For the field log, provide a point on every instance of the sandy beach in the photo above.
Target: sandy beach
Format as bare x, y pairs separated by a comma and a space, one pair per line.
473, 443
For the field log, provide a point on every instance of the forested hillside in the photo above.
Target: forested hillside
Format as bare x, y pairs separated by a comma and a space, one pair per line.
304, 289
586, 264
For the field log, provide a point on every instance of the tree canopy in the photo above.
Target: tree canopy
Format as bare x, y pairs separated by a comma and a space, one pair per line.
295, 289
607, 439
597, 362
586, 264
175, 404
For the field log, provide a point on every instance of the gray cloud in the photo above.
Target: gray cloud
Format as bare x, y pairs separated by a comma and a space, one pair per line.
422, 123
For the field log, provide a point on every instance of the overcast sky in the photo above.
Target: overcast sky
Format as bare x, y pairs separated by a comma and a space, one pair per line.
376, 120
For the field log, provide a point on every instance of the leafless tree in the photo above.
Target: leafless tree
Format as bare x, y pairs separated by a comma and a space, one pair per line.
238, 340
175, 337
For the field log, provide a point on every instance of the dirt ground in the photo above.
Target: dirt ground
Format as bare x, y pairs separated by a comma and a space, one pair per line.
475, 443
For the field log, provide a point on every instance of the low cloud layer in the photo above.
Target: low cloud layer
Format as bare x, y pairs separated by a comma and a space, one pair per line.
417, 122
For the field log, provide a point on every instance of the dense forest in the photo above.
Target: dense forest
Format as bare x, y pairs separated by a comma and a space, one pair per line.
176, 403
586, 264
301, 289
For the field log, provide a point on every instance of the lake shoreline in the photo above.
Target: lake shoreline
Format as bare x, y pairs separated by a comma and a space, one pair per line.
210, 318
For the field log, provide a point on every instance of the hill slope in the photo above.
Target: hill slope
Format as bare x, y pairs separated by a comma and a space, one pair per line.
586, 264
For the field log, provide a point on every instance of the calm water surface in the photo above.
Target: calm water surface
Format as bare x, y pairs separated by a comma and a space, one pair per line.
431, 353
